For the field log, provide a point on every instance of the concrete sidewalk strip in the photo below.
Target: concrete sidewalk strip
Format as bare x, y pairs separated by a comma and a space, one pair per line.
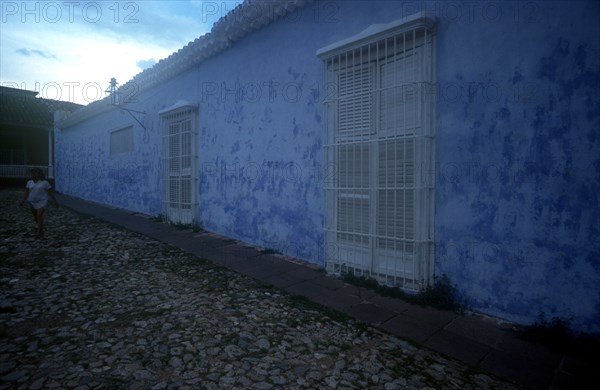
241, 250
429, 315
458, 347
328, 282
276, 262
476, 329
312, 291
522, 370
573, 370
212, 240
370, 313
281, 281
398, 306
410, 328
472, 339
536, 353
305, 273
336, 300
360, 293
255, 267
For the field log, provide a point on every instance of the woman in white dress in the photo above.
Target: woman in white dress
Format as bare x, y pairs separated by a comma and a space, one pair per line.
36, 196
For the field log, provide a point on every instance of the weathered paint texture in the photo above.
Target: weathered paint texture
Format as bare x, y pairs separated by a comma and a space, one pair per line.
517, 147
518, 158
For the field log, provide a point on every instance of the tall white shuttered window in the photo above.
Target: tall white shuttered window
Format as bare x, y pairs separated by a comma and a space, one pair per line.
179, 157
379, 150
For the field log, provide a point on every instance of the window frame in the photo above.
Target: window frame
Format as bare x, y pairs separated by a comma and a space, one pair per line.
371, 260
112, 133
179, 133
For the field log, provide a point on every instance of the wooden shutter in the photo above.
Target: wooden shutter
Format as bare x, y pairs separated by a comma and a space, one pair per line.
355, 103
398, 106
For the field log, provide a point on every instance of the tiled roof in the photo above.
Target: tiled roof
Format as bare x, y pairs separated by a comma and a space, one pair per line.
19, 107
239, 22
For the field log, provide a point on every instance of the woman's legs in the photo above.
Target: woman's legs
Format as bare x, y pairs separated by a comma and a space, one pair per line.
34, 213
39, 219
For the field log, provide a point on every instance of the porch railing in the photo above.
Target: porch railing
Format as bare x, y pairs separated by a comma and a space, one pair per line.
23, 171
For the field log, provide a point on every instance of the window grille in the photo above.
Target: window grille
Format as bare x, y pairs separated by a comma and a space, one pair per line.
380, 143
121, 141
179, 157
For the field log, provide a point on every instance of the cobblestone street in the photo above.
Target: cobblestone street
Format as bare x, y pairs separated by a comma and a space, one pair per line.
93, 305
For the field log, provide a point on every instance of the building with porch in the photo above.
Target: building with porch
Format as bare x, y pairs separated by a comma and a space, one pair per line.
27, 134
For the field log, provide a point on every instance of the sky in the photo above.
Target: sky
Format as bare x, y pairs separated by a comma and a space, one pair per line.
69, 50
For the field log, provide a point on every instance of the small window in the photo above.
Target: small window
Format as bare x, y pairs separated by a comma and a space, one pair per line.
121, 141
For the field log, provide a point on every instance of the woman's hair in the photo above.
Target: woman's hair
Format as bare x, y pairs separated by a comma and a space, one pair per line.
39, 172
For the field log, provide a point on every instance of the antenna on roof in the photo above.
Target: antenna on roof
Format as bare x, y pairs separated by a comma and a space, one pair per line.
113, 91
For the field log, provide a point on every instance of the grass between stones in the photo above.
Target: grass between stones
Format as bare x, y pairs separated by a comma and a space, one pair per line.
441, 294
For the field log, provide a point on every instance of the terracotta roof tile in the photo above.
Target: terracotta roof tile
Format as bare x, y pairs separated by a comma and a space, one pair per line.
22, 108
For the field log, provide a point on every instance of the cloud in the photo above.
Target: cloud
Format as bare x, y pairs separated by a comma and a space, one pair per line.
165, 23
145, 64
28, 53
81, 53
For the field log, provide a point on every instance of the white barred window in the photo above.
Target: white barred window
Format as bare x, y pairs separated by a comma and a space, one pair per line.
179, 156
380, 143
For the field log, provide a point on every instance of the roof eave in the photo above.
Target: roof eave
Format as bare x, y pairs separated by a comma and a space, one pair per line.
85, 113
420, 19
224, 33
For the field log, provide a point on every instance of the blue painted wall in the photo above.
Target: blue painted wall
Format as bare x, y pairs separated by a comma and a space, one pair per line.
517, 147
518, 161
85, 169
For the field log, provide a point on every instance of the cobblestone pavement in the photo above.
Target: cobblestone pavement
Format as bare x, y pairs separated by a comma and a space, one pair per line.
96, 306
